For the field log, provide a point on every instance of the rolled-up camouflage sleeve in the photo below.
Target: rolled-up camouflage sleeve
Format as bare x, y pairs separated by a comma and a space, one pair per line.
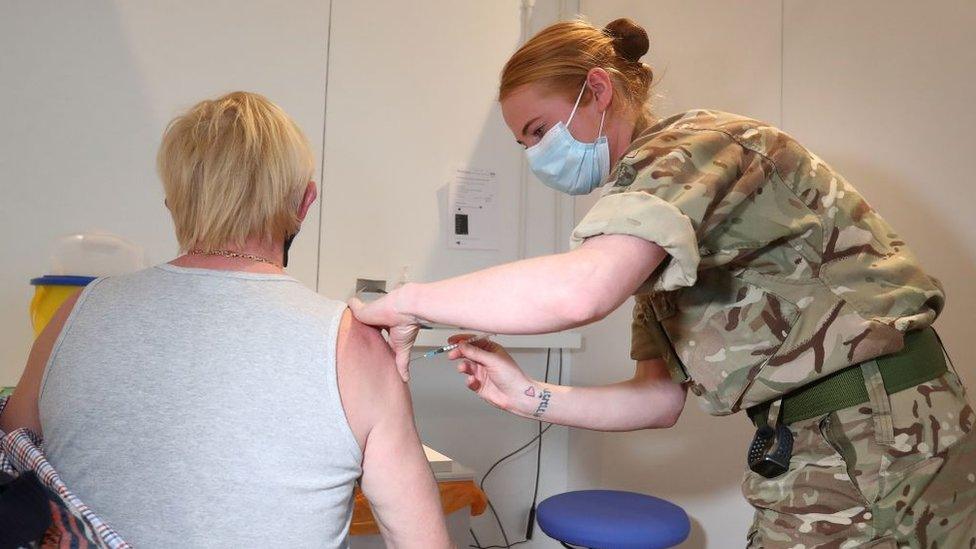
648, 340
672, 189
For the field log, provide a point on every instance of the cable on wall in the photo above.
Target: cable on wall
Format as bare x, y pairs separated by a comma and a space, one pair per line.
538, 471
325, 116
526, 8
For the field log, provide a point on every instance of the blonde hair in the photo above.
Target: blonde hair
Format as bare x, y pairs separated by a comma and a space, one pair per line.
233, 168
560, 56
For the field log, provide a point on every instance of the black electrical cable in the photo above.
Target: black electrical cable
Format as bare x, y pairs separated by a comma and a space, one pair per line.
501, 460
523, 447
498, 520
499, 546
530, 524
559, 377
492, 468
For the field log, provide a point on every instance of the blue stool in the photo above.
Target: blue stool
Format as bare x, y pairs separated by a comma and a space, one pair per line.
610, 519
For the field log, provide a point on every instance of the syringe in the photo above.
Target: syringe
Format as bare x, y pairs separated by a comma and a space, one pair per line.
451, 347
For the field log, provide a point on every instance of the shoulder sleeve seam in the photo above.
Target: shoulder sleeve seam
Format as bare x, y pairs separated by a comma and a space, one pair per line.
779, 175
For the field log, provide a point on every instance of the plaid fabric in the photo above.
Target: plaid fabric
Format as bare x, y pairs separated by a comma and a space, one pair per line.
5, 465
74, 524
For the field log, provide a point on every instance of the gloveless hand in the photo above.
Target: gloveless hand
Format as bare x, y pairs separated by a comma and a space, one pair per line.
493, 374
402, 328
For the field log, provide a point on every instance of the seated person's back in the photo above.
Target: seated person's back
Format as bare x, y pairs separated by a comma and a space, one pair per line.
215, 401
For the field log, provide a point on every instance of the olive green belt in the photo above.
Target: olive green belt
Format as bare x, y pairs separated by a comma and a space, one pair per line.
920, 360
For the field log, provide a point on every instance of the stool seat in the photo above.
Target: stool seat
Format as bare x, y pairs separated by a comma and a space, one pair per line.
610, 519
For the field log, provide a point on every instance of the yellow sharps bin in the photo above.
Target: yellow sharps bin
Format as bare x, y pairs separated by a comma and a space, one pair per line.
50, 291
77, 260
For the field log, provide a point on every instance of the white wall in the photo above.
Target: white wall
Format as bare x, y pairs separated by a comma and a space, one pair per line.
85, 92
728, 61
884, 91
412, 97
881, 90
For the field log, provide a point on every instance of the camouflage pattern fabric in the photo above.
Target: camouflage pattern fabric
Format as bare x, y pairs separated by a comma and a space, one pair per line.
844, 488
779, 272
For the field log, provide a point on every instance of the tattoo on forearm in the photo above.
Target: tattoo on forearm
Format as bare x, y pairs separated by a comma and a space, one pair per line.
543, 403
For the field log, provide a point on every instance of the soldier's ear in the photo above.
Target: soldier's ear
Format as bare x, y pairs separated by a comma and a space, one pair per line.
601, 86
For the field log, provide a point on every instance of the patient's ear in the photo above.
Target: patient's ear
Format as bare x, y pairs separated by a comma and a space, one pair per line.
311, 193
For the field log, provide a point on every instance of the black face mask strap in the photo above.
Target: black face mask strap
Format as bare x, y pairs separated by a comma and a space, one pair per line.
288, 240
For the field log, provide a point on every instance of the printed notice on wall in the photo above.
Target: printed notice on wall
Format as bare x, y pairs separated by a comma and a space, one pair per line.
473, 210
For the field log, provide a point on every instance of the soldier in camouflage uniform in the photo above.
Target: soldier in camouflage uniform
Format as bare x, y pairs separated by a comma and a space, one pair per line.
772, 287
781, 275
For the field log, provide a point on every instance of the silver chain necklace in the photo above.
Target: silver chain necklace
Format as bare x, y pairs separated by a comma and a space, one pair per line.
238, 255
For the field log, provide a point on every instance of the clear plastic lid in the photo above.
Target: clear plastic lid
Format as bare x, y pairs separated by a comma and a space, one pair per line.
96, 253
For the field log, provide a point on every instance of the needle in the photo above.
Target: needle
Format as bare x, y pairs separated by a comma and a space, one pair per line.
451, 347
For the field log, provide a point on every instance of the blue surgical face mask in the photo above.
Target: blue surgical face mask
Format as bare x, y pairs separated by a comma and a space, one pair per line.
567, 165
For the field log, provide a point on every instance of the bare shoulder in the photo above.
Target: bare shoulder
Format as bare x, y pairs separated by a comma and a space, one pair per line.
53, 329
358, 338
21, 409
363, 351
369, 384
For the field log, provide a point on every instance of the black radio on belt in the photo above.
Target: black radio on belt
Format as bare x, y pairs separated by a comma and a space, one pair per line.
770, 451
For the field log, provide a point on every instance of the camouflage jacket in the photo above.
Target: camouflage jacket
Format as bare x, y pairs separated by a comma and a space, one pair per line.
778, 273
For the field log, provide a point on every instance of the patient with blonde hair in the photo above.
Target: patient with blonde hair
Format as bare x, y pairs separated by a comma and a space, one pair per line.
214, 400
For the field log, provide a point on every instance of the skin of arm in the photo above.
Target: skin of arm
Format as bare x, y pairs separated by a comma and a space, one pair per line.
550, 293
649, 400
538, 295
379, 411
396, 479
21, 409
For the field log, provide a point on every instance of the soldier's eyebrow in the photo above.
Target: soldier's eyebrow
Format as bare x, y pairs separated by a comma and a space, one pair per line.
525, 128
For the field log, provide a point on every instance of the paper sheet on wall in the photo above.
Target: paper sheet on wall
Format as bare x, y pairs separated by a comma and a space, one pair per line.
473, 210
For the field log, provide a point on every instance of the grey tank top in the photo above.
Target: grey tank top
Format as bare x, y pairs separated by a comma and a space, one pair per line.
200, 408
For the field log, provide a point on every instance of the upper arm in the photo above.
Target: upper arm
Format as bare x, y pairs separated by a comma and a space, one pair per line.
396, 475
657, 365
677, 190
21, 409
616, 265
669, 395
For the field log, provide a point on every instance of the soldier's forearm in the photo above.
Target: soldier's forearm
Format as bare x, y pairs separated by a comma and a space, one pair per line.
542, 294
648, 401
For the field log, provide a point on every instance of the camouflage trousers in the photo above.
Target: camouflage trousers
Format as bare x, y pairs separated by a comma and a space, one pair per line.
899, 471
